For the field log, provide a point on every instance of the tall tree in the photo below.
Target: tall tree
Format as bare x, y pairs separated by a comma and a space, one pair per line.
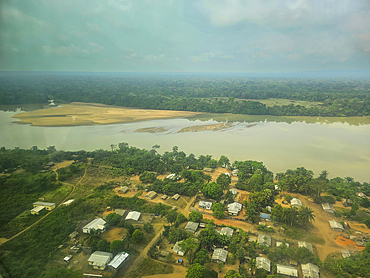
188, 246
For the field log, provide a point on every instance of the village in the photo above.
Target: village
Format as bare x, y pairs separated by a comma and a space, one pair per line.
108, 264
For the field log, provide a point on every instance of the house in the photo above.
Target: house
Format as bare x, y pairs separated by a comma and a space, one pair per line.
97, 224
118, 260
191, 227
296, 202
264, 239
269, 208
150, 195
164, 197
67, 203
235, 172
205, 204
133, 215
347, 253
177, 250
48, 206
306, 245
208, 170
219, 255
347, 202
123, 189
336, 226
176, 197
287, 270
226, 231
234, 191
36, 210
100, 259
264, 263
278, 243
121, 212
310, 270
234, 208
361, 195
171, 176
329, 208
265, 216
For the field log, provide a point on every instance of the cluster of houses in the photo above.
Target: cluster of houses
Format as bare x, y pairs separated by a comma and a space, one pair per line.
100, 260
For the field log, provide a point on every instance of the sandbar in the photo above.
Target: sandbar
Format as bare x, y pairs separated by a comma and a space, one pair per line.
77, 114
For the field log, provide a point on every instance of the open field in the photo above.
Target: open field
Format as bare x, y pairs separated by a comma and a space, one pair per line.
76, 113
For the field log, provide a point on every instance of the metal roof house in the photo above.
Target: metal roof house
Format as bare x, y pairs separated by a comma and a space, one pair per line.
48, 206
164, 197
191, 227
36, 210
278, 243
133, 215
118, 260
234, 191
234, 208
361, 195
306, 245
329, 208
176, 249
219, 255
67, 203
264, 263
287, 270
151, 195
265, 216
205, 204
347, 253
336, 226
97, 224
226, 231
123, 189
208, 170
235, 172
99, 259
121, 212
264, 239
296, 202
176, 197
310, 270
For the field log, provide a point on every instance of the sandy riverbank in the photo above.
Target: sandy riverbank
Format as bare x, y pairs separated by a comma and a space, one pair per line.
76, 114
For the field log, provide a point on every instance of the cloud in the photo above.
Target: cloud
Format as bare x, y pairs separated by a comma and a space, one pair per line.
206, 57
123, 5
64, 51
95, 48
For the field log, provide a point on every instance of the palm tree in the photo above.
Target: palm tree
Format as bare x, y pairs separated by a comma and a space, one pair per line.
306, 216
289, 215
188, 246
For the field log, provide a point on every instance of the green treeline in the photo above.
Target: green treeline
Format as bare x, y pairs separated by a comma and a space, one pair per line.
214, 94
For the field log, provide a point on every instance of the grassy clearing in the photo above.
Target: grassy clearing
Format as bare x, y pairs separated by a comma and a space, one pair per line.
280, 102
313, 238
58, 195
150, 267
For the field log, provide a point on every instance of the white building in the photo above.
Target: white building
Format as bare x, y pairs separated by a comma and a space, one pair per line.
234, 191
191, 227
287, 270
118, 260
133, 215
329, 208
67, 203
296, 202
177, 250
310, 271
234, 208
264, 263
336, 226
97, 224
205, 204
264, 239
306, 245
226, 231
219, 255
99, 259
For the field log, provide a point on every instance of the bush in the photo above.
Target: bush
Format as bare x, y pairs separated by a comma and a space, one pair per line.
196, 216
288, 198
137, 236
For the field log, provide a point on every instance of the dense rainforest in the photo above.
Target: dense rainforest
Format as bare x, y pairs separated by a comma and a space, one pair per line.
235, 94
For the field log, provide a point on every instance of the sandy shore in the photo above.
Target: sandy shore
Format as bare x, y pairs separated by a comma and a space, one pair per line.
76, 114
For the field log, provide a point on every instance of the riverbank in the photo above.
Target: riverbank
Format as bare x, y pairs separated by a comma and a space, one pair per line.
77, 114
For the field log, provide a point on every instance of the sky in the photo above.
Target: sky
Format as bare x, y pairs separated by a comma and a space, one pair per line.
231, 36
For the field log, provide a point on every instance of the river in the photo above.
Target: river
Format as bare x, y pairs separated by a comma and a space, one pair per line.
341, 146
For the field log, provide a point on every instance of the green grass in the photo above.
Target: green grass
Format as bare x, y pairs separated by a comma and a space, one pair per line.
58, 195
313, 238
150, 267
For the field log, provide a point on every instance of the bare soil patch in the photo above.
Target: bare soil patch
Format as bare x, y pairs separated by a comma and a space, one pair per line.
114, 233
76, 113
213, 127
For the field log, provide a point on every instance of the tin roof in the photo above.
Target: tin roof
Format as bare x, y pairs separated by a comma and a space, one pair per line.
118, 260
95, 224
100, 258
287, 270
133, 215
45, 204
226, 231
264, 239
306, 245
219, 254
310, 271
191, 227
264, 263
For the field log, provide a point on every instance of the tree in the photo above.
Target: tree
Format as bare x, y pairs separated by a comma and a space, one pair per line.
113, 219
212, 190
60, 272
172, 216
188, 246
180, 219
218, 210
220, 266
116, 246
137, 236
201, 257
224, 161
199, 271
232, 274
305, 216
148, 227
196, 216
104, 245
224, 180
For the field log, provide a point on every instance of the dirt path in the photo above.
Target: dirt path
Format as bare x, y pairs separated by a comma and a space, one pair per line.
143, 253
34, 224
185, 211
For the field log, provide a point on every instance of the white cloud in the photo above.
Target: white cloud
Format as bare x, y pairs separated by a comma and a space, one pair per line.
95, 48
123, 5
206, 57
64, 51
